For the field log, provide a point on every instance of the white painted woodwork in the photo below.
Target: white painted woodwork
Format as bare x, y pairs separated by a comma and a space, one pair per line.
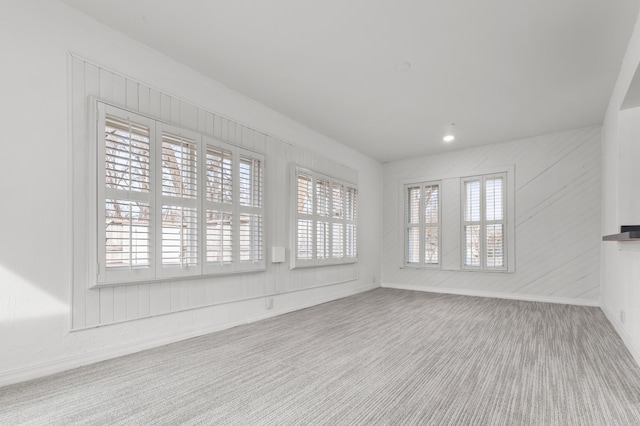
557, 217
133, 301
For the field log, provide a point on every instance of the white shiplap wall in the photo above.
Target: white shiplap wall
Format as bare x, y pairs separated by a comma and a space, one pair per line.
100, 306
557, 218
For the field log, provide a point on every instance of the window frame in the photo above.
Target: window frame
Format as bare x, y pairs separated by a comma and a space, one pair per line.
421, 225
315, 218
102, 276
483, 222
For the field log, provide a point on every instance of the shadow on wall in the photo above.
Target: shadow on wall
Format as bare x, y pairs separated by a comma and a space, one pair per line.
21, 300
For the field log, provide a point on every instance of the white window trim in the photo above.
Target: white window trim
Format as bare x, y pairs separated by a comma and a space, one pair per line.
295, 215
421, 225
456, 266
483, 223
97, 273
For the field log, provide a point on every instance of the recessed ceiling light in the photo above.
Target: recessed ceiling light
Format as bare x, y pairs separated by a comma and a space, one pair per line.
449, 135
403, 66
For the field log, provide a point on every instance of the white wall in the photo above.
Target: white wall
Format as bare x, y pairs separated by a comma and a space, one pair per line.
557, 219
35, 182
620, 280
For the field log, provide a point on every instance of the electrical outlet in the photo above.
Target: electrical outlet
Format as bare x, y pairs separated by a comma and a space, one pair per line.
623, 317
269, 302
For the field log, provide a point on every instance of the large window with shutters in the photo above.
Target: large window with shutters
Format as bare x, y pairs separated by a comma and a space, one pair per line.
325, 219
484, 222
172, 202
422, 224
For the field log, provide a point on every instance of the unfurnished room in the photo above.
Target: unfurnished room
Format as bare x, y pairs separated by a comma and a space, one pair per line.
320, 212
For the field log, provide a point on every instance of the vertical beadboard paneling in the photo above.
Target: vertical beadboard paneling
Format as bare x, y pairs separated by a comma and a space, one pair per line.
557, 217
106, 293
78, 98
92, 297
119, 303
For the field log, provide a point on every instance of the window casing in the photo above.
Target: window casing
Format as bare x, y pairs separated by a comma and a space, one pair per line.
422, 225
484, 222
325, 219
172, 202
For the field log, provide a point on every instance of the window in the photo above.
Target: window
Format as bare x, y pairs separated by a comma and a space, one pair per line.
325, 226
484, 222
172, 202
422, 224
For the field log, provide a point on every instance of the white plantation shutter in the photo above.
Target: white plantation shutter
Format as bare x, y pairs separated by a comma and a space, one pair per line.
472, 226
494, 222
304, 216
125, 196
219, 208
180, 207
431, 224
337, 242
351, 208
422, 224
251, 209
484, 222
412, 240
172, 202
325, 228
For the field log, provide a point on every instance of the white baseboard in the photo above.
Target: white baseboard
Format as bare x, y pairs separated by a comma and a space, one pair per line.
495, 295
628, 341
47, 368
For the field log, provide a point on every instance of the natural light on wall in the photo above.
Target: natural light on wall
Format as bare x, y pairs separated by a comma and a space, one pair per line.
21, 300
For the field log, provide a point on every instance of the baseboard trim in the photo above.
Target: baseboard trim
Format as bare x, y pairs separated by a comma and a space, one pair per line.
626, 338
494, 295
68, 363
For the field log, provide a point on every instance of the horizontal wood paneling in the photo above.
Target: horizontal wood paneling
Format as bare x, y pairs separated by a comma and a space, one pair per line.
102, 306
557, 216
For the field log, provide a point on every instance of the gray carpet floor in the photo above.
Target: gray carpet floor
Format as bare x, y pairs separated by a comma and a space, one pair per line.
381, 357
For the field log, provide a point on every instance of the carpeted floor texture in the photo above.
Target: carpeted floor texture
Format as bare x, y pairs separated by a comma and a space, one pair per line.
383, 357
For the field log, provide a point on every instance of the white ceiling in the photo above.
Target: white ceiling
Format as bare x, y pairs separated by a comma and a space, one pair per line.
500, 69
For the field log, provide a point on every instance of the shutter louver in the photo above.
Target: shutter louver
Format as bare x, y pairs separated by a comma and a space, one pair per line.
323, 196
250, 226
494, 206
179, 208
432, 228
305, 239
337, 241
304, 208
422, 224
305, 194
219, 206
219, 237
484, 222
127, 234
351, 239
472, 242
412, 255
126, 195
172, 202
325, 227
219, 175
